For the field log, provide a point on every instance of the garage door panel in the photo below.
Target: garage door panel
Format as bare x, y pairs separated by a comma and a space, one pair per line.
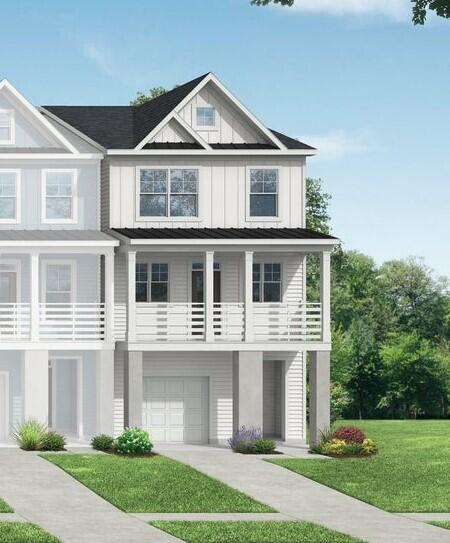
175, 409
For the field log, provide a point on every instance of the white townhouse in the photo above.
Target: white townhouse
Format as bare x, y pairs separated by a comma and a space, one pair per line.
153, 270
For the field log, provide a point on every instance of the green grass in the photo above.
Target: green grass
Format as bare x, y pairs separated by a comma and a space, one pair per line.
5, 508
252, 532
18, 532
441, 524
411, 473
154, 485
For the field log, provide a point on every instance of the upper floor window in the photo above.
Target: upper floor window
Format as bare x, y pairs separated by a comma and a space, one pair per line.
168, 193
7, 127
267, 282
59, 203
152, 286
206, 117
9, 196
264, 192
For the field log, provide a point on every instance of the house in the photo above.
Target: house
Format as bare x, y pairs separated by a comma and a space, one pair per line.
154, 271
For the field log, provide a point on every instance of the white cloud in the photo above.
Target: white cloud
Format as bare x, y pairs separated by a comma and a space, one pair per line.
335, 145
101, 57
395, 9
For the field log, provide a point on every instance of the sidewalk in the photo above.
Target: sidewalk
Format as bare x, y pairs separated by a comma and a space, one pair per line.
303, 499
45, 495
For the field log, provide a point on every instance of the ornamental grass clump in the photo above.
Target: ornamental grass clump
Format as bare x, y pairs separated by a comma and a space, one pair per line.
133, 441
53, 442
250, 441
30, 435
102, 442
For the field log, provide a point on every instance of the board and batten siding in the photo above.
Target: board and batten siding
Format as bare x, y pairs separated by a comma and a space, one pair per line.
223, 192
172, 132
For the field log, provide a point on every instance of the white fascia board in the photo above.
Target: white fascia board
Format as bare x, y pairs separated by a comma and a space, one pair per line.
51, 156
284, 346
234, 242
191, 131
71, 246
75, 131
56, 345
5, 84
214, 152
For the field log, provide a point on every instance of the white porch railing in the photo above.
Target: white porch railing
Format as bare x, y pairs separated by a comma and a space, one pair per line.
287, 322
170, 322
14, 322
229, 322
72, 322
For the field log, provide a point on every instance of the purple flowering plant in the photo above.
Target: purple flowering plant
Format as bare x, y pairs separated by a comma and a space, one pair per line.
244, 435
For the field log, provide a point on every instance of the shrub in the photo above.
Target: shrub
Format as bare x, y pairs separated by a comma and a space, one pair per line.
325, 436
102, 442
30, 435
339, 401
133, 441
53, 442
244, 434
349, 434
334, 447
264, 446
369, 446
246, 447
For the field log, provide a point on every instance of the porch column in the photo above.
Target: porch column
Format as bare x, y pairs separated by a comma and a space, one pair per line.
34, 297
209, 296
248, 295
109, 296
105, 391
133, 385
325, 280
247, 389
319, 399
35, 386
131, 315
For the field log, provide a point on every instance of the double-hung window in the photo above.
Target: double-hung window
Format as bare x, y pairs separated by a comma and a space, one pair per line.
9, 196
59, 283
263, 192
267, 282
168, 192
7, 127
152, 282
206, 117
59, 196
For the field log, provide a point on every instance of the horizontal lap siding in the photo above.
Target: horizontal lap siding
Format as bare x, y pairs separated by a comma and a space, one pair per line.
118, 409
120, 296
216, 366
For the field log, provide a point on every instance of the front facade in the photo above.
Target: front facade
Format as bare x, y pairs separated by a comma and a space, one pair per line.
153, 270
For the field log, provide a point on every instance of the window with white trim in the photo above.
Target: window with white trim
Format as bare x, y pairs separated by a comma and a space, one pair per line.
153, 285
267, 282
264, 192
7, 127
9, 196
206, 117
59, 196
58, 284
168, 192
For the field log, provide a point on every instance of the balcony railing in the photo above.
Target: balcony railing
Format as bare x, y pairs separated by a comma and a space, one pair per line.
229, 322
170, 322
287, 322
14, 322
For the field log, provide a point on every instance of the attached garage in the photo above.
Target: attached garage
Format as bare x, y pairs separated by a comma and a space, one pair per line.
175, 409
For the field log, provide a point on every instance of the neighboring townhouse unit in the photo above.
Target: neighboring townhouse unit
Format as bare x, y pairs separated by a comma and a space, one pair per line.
211, 320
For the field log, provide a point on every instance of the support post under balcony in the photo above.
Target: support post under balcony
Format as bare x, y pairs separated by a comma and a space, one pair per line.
131, 316
325, 285
109, 296
248, 295
34, 297
209, 296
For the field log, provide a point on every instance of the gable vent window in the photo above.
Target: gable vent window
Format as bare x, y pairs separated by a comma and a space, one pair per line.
7, 131
168, 193
264, 193
206, 117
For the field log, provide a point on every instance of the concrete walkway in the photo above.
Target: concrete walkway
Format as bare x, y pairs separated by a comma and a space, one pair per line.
303, 499
43, 494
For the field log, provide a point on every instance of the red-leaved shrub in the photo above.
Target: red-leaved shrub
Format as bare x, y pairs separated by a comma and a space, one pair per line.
349, 434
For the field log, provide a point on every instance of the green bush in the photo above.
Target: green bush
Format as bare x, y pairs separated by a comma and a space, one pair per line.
133, 441
30, 434
339, 401
53, 442
102, 442
334, 447
264, 446
245, 447
369, 446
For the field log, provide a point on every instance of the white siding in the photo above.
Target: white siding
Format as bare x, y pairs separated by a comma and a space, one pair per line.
118, 409
172, 132
120, 296
223, 192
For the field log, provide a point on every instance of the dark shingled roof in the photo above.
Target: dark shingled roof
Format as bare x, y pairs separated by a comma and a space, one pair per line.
124, 127
221, 233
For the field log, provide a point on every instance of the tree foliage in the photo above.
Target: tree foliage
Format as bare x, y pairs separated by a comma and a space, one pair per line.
142, 98
420, 8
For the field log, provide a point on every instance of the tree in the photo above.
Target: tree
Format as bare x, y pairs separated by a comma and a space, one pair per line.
317, 201
420, 8
142, 98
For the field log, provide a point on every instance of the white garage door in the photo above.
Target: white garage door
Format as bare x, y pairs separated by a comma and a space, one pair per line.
175, 409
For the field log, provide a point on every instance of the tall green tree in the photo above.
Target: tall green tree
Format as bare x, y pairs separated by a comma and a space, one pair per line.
142, 98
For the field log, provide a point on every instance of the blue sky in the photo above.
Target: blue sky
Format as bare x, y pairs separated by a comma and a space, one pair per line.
354, 77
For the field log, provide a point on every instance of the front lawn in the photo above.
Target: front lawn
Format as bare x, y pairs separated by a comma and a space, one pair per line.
252, 532
154, 485
19, 532
4, 507
411, 473
441, 524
